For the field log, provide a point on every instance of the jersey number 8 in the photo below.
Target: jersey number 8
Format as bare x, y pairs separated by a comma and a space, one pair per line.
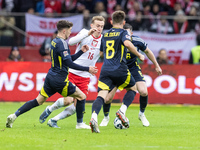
110, 50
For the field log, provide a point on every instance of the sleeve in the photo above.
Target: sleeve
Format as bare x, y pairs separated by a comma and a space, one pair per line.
125, 36
75, 66
67, 59
77, 55
101, 46
79, 37
64, 51
142, 44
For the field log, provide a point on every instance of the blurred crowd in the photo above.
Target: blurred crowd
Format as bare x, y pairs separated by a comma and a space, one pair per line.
161, 16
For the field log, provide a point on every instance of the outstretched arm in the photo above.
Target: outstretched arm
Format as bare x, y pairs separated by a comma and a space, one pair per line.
151, 56
80, 36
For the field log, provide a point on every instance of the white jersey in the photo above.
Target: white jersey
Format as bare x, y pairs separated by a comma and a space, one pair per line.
88, 58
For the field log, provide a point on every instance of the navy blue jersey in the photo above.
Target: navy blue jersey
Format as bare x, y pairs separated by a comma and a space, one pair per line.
112, 45
59, 52
140, 45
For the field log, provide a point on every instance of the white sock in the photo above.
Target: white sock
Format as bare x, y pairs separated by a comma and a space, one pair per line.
58, 104
106, 117
94, 116
141, 113
70, 110
123, 108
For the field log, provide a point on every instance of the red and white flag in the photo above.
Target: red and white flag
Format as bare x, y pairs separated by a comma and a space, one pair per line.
39, 28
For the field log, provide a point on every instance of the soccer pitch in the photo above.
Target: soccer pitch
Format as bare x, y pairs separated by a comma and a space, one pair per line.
171, 127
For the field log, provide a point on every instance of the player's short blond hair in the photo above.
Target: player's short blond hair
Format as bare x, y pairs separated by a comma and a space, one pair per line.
118, 17
99, 18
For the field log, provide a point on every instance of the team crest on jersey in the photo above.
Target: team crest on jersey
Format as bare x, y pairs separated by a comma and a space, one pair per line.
65, 53
94, 43
128, 37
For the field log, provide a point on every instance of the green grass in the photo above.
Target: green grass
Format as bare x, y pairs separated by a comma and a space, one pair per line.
171, 127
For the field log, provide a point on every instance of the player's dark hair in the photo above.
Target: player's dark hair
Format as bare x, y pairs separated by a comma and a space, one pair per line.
64, 24
128, 26
118, 17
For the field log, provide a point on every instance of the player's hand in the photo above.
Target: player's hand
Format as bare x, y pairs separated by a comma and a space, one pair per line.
85, 48
92, 31
93, 70
158, 70
141, 57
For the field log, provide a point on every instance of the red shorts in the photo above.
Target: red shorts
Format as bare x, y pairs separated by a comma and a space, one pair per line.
81, 82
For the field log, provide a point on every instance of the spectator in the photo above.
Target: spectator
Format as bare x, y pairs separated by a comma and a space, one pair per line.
195, 52
137, 24
133, 7
180, 23
99, 7
163, 58
55, 5
6, 31
162, 25
45, 48
69, 6
14, 55
193, 13
147, 22
39, 6
86, 19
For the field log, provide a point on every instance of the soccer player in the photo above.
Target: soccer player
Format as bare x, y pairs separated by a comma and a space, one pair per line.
57, 76
135, 70
81, 79
114, 71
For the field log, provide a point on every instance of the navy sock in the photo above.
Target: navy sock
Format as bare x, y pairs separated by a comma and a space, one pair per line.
129, 97
80, 110
143, 102
96, 106
26, 107
106, 109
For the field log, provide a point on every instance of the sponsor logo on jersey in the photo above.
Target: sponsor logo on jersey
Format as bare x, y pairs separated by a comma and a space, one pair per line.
65, 53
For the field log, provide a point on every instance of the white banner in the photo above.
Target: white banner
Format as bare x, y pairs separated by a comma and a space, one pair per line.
178, 46
38, 28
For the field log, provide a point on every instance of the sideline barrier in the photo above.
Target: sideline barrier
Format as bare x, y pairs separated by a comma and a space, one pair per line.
179, 84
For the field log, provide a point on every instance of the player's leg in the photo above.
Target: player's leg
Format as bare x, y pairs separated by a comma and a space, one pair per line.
61, 102
69, 110
24, 108
106, 107
96, 107
127, 100
129, 84
80, 108
142, 89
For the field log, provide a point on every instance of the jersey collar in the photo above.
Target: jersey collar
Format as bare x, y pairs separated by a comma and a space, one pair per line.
97, 37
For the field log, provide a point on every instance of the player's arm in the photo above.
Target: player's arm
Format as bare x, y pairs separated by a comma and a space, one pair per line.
84, 49
80, 36
151, 57
71, 64
133, 49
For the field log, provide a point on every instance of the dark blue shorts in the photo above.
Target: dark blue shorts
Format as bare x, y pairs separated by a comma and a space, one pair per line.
53, 84
109, 79
136, 73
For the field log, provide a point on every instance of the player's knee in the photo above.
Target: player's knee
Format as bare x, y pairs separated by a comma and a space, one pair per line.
82, 97
143, 92
68, 101
107, 100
